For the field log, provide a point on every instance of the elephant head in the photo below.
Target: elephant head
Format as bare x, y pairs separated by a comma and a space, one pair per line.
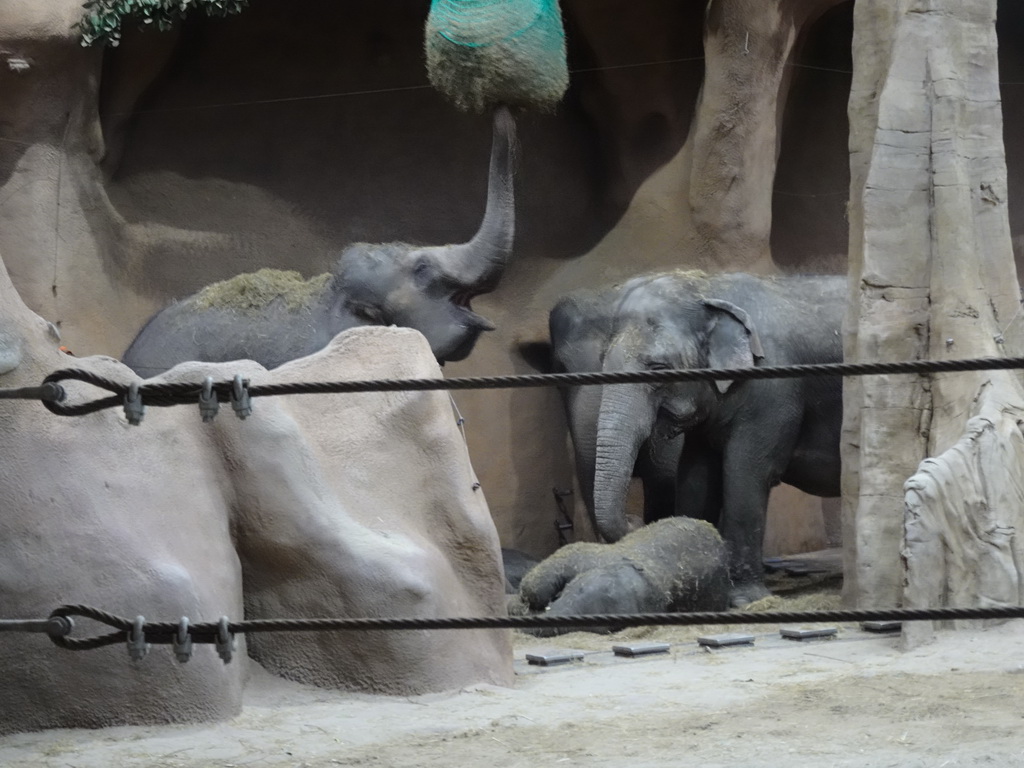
658, 325
272, 316
580, 328
430, 288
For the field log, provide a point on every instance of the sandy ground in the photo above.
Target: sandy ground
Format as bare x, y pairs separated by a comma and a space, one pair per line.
855, 700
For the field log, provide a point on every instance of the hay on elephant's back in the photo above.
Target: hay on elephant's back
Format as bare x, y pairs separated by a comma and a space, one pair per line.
254, 291
481, 54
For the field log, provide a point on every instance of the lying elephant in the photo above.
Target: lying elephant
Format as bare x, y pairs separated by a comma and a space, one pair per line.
281, 515
516, 564
676, 564
272, 316
741, 438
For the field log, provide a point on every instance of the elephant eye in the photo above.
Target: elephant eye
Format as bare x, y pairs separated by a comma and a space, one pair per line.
421, 272
656, 365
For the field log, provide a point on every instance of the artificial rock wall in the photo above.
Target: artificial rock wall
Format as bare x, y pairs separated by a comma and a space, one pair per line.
695, 134
273, 138
281, 515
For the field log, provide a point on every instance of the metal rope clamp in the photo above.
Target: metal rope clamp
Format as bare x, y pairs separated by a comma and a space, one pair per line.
208, 404
240, 399
225, 641
137, 645
134, 410
181, 644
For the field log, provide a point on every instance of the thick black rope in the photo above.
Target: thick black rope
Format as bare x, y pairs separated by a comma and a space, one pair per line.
168, 394
165, 631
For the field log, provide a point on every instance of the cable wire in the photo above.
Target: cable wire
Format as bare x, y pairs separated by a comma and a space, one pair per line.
168, 394
207, 632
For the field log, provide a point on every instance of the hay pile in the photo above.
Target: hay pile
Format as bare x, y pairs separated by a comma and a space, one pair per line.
482, 53
253, 291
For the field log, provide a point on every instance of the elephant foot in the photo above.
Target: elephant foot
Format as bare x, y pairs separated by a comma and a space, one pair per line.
744, 594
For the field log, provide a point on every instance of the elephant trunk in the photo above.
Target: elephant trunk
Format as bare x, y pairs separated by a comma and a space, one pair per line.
480, 263
583, 405
625, 422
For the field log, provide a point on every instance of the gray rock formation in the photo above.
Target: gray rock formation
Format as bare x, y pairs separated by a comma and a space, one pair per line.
285, 514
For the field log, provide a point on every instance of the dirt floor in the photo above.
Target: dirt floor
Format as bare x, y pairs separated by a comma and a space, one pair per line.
854, 700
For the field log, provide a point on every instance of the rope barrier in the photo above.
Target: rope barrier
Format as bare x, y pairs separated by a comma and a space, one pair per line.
238, 391
138, 633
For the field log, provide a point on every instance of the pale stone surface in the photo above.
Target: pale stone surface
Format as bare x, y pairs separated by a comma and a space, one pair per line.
963, 511
361, 505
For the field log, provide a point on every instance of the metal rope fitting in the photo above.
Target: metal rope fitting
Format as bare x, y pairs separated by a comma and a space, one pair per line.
55, 626
225, 641
240, 399
181, 644
208, 404
48, 393
134, 410
137, 645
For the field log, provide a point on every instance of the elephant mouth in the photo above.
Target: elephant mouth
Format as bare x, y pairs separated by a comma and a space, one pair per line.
461, 300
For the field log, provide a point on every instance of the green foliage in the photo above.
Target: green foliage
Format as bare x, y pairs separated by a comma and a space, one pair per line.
103, 18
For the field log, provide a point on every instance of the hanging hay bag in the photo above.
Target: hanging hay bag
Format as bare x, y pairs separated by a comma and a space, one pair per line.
481, 53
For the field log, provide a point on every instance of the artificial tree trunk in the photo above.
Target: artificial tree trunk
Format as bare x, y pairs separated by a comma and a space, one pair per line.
932, 277
747, 48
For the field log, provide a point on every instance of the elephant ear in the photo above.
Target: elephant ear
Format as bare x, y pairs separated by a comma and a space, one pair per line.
732, 339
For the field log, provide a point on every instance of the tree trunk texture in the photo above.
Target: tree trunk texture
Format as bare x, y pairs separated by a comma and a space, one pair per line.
931, 277
747, 47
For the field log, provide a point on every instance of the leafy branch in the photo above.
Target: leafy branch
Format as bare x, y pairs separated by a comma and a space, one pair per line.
103, 18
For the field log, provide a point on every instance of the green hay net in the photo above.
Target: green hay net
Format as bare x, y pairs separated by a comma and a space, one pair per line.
481, 53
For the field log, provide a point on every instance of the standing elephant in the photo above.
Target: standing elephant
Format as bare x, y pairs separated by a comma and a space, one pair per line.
272, 316
741, 438
580, 326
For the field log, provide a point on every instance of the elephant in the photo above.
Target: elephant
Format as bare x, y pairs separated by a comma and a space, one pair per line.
516, 564
273, 316
740, 438
579, 327
675, 564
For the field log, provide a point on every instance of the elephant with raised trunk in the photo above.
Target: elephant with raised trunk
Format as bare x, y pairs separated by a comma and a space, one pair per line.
741, 437
272, 316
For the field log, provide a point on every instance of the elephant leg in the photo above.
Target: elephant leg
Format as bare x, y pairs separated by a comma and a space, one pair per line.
744, 505
659, 498
659, 484
699, 482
